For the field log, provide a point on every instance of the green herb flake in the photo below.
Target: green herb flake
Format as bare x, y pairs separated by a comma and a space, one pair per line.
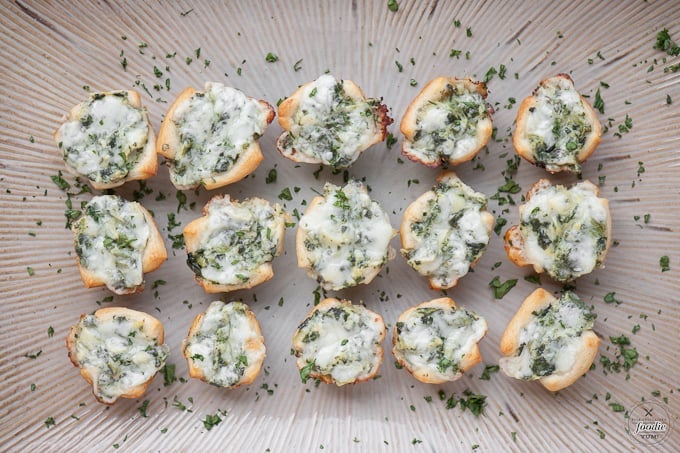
400, 67
271, 57
610, 298
669, 101
616, 407
211, 420
142, 409
468, 32
488, 369
30, 271
392, 5
666, 44
665, 263
390, 141
60, 182
298, 65
499, 288
599, 103
49, 422
285, 195
50, 332
169, 374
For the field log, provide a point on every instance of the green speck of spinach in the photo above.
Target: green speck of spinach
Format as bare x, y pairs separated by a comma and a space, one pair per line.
456, 23
305, 372
489, 74
390, 141
647, 217
49, 422
181, 200
60, 182
50, 332
498, 226
468, 32
271, 57
30, 271
500, 289
392, 5
610, 298
455, 53
501, 71
665, 263
157, 72
533, 278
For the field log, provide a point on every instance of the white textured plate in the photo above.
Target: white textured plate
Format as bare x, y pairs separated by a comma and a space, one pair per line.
49, 52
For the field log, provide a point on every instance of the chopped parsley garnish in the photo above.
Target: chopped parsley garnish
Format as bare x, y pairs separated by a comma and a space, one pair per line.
501, 289
169, 374
142, 409
271, 57
298, 65
211, 420
60, 181
665, 263
286, 195
599, 103
400, 67
49, 422
488, 369
305, 371
666, 44
390, 141
610, 298
50, 332
392, 5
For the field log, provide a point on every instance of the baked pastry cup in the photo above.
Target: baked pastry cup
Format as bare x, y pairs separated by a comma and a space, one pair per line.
331, 122
549, 339
448, 122
445, 231
116, 243
233, 245
225, 346
556, 128
210, 137
339, 343
108, 140
436, 341
565, 232
343, 239
118, 351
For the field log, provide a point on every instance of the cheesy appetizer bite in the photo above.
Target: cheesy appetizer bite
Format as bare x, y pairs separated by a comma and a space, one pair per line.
550, 340
118, 351
565, 232
330, 122
445, 231
343, 237
116, 243
448, 122
210, 137
437, 342
232, 246
339, 343
556, 128
108, 140
225, 345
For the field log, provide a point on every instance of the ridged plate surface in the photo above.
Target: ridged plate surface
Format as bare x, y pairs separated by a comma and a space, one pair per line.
50, 50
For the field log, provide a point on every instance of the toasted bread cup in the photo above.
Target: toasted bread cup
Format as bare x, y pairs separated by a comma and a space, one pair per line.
232, 246
445, 231
343, 238
556, 128
565, 232
108, 140
330, 122
436, 341
225, 346
117, 242
210, 137
339, 343
550, 340
118, 350
447, 122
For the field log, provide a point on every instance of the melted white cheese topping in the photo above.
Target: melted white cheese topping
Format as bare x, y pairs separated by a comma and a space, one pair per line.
553, 338
117, 354
451, 234
342, 342
565, 230
215, 127
225, 346
237, 239
110, 239
103, 141
435, 341
331, 127
448, 127
347, 236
